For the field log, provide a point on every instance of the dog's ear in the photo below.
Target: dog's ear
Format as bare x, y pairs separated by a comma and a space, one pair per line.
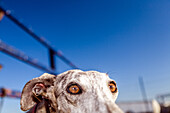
35, 90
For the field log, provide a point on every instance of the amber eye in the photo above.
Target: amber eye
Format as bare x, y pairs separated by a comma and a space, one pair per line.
74, 89
112, 87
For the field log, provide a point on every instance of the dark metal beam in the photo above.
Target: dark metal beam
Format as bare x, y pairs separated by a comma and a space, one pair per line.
35, 36
52, 59
41, 40
23, 57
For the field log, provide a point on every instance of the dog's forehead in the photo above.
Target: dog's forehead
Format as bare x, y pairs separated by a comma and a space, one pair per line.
78, 75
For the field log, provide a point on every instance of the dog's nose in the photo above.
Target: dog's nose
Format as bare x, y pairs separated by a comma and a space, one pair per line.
113, 108
110, 108
110, 105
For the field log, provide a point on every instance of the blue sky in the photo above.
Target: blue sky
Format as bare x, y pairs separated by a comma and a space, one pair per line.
126, 38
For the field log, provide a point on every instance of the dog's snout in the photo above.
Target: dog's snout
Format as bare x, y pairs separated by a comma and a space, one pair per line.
109, 108
106, 100
113, 108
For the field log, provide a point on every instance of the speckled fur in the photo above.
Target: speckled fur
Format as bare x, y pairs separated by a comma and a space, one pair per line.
96, 96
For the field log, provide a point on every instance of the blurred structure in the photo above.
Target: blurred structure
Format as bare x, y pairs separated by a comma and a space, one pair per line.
144, 95
23, 57
0, 66
156, 106
1, 15
136, 106
52, 51
9, 93
164, 100
159, 105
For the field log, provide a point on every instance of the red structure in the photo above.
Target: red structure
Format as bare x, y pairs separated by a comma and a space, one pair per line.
9, 93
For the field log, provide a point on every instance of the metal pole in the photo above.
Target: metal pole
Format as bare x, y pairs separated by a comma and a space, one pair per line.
143, 91
52, 59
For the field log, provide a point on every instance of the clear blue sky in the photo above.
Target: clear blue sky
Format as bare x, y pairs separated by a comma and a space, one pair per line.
126, 38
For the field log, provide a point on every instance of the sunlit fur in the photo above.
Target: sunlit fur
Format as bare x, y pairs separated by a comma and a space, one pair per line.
95, 97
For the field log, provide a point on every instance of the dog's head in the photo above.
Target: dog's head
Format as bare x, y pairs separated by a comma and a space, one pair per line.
74, 91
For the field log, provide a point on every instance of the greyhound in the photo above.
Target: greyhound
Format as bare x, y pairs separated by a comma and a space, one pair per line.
73, 91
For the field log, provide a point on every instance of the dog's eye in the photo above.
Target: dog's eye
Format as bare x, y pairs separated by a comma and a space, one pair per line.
74, 89
112, 87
